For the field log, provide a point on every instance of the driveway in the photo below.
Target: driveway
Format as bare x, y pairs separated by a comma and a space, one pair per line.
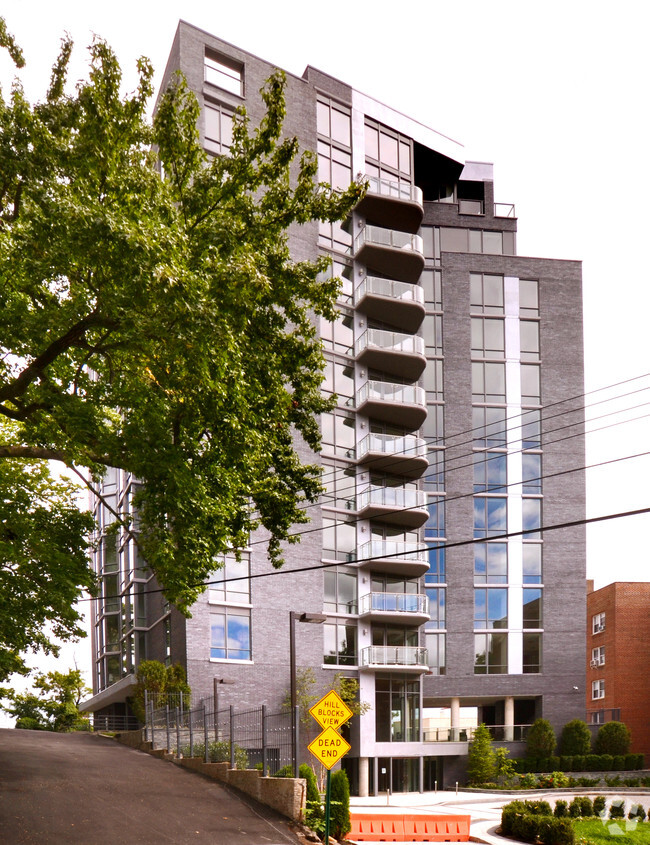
59, 789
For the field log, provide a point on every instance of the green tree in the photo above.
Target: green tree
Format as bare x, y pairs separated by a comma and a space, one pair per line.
612, 738
541, 740
55, 707
159, 681
503, 767
152, 318
340, 804
481, 761
575, 738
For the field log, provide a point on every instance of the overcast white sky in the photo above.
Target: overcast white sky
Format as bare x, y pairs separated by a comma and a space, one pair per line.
554, 93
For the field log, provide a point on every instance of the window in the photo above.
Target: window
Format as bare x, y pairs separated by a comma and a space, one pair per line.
490, 516
435, 524
432, 331
431, 280
340, 644
437, 599
432, 379
333, 121
436, 573
529, 340
388, 154
231, 583
532, 563
339, 539
598, 656
340, 592
598, 689
486, 293
434, 479
230, 634
490, 563
334, 166
598, 623
436, 652
338, 335
490, 654
490, 475
218, 129
489, 427
531, 429
338, 435
397, 710
488, 338
339, 379
532, 608
488, 382
532, 654
491, 608
531, 472
340, 484
531, 517
528, 298
491, 243
223, 73
531, 390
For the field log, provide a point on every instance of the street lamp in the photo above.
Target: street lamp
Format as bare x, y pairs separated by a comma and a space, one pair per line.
216, 682
314, 619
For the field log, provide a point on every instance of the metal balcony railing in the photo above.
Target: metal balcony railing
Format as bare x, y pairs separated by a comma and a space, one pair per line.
391, 497
378, 236
390, 289
385, 391
398, 190
385, 655
499, 733
394, 603
504, 209
408, 445
390, 342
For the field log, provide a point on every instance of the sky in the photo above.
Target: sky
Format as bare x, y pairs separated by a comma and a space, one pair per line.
553, 93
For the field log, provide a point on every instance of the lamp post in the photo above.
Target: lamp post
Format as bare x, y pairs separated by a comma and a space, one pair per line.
314, 619
215, 683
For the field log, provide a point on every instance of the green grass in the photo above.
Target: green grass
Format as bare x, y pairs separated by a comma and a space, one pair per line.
594, 831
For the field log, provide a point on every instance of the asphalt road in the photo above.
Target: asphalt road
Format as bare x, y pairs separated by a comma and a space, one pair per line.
85, 789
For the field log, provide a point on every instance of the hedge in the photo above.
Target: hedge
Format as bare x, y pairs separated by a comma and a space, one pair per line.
522, 820
579, 763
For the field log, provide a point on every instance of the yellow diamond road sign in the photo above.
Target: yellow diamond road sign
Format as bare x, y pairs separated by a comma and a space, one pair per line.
329, 747
331, 711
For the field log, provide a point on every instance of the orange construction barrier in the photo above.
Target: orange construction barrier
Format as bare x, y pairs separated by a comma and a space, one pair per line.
376, 827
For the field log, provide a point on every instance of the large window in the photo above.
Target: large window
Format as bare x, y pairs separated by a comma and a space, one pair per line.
597, 623
490, 516
340, 591
490, 475
531, 517
338, 434
488, 338
491, 608
231, 583
490, 654
532, 608
339, 539
340, 643
532, 563
598, 689
224, 73
397, 710
490, 563
486, 293
489, 427
437, 603
388, 154
488, 382
598, 656
218, 128
532, 654
436, 652
230, 634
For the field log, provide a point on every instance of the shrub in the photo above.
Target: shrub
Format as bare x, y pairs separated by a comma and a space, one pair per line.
305, 771
553, 781
606, 762
637, 813
538, 808
339, 805
219, 752
566, 763
561, 809
578, 763
612, 738
617, 809
508, 814
633, 761
528, 781
553, 764
575, 808
618, 762
615, 781
503, 767
592, 762
284, 772
553, 831
599, 805
586, 806
314, 814
541, 740
481, 760
525, 828
632, 781
575, 738
588, 781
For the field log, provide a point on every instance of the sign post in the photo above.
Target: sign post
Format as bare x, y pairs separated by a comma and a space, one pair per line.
329, 746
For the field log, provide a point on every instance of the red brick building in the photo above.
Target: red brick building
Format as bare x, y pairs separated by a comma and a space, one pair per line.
618, 681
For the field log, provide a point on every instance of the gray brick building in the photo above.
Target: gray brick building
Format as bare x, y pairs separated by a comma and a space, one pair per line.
457, 435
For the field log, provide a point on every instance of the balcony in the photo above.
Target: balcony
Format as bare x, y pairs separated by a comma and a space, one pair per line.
398, 404
398, 608
397, 505
397, 558
390, 252
499, 733
399, 303
398, 354
404, 657
389, 203
402, 455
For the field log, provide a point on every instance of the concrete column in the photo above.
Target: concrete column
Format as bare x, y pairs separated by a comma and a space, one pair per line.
509, 718
363, 777
455, 719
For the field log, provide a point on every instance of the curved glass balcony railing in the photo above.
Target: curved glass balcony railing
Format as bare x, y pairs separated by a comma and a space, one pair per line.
391, 252
398, 303
403, 455
398, 404
398, 505
378, 236
399, 603
392, 203
390, 289
403, 656
398, 558
396, 353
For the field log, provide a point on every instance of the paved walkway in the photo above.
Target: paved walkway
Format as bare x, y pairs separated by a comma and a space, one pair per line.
85, 789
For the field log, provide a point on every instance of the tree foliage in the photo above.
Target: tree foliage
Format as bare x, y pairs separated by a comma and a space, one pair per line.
612, 738
575, 738
481, 760
55, 707
541, 740
164, 685
156, 323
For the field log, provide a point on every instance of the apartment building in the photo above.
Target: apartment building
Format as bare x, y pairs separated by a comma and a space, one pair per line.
458, 434
618, 628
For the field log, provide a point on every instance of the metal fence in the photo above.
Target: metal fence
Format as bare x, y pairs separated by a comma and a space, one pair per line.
245, 739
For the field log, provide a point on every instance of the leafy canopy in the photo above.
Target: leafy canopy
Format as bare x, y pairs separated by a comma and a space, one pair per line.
158, 323
55, 707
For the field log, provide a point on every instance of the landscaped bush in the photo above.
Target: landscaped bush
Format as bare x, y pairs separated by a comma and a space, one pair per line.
523, 821
612, 738
541, 740
578, 763
218, 752
599, 805
556, 780
528, 781
637, 813
592, 762
575, 809
618, 763
554, 831
339, 805
588, 781
575, 738
617, 809
566, 763
586, 806
561, 810
606, 763
615, 781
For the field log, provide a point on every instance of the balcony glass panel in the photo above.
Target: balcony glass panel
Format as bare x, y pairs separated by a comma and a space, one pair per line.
391, 444
378, 655
390, 341
390, 188
394, 603
388, 237
397, 497
392, 548
389, 288
383, 391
